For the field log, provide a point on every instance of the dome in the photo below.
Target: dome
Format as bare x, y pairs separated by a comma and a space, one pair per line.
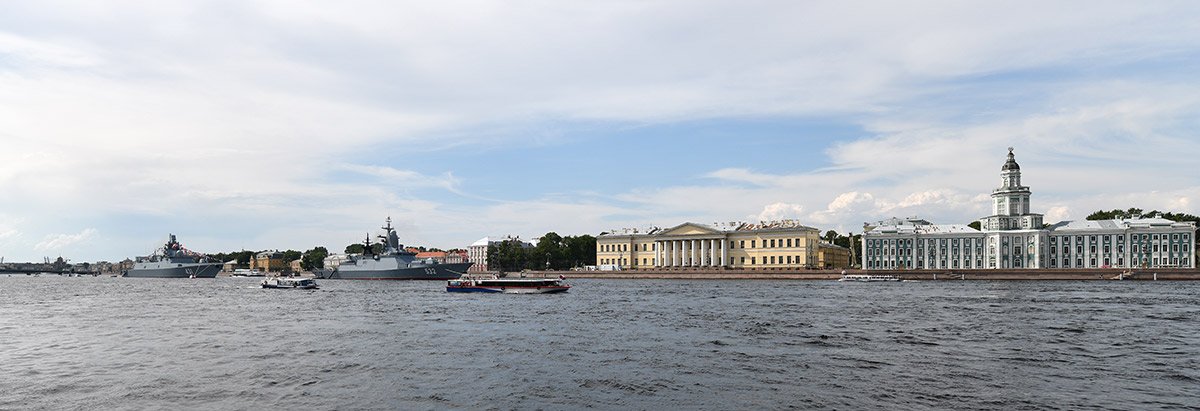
1011, 164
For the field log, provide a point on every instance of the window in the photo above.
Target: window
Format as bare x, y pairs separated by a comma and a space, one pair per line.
742, 244
752, 261
752, 246
772, 259
789, 242
772, 243
743, 261
731, 244
643, 249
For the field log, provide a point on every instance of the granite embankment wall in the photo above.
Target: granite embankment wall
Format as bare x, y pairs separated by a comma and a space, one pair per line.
929, 275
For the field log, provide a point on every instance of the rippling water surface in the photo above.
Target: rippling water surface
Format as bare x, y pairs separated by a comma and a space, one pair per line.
126, 343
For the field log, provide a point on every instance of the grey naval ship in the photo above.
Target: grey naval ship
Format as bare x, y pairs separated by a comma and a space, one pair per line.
393, 263
173, 261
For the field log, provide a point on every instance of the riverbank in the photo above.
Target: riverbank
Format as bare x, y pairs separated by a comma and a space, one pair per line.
924, 275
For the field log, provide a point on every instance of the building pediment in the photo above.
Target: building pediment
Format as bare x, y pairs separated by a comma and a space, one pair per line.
690, 229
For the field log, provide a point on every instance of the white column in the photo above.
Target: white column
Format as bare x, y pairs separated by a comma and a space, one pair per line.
670, 252
703, 248
687, 252
724, 246
691, 253
657, 254
674, 253
712, 253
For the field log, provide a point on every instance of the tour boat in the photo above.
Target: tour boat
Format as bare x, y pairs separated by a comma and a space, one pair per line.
242, 272
290, 282
866, 278
507, 285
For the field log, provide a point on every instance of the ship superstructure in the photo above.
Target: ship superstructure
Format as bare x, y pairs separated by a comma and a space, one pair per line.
393, 263
174, 261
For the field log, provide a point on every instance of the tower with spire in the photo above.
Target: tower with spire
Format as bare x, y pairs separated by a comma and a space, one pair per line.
1010, 202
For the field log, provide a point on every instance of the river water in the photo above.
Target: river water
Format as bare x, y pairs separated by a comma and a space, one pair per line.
126, 343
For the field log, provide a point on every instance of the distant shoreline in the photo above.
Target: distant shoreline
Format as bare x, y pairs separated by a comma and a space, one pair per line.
924, 275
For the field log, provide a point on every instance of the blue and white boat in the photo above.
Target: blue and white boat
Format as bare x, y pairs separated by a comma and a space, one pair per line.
868, 278
508, 285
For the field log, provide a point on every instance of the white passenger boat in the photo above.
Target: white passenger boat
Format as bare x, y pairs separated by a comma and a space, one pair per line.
243, 272
507, 285
290, 282
868, 278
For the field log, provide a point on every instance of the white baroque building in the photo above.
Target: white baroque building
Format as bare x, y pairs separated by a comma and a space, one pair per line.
1013, 237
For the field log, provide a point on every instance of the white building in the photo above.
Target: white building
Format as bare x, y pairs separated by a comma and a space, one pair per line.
1013, 237
334, 260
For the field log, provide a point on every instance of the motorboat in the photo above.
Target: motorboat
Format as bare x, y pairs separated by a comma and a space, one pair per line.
289, 282
243, 272
868, 278
507, 285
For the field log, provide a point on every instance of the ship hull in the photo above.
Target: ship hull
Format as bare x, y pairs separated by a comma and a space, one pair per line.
433, 272
175, 271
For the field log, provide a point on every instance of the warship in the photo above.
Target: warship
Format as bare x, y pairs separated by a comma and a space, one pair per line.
392, 263
173, 261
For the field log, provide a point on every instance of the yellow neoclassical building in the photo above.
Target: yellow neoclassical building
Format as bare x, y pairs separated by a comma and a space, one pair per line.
778, 244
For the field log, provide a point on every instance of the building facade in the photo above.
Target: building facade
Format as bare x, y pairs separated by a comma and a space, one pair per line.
781, 244
1013, 237
832, 256
267, 261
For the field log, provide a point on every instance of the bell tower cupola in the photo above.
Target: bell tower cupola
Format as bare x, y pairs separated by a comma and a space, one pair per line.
1010, 202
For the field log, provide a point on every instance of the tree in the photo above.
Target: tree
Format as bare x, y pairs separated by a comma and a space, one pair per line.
507, 255
358, 248
975, 224
291, 255
581, 250
550, 252
314, 259
830, 236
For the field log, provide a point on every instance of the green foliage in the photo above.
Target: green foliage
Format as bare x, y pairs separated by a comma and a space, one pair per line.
975, 225
291, 255
358, 248
314, 259
831, 236
1133, 211
243, 257
552, 251
508, 255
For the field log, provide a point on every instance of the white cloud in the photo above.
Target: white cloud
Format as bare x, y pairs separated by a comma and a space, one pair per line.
60, 241
845, 205
1055, 214
779, 211
245, 111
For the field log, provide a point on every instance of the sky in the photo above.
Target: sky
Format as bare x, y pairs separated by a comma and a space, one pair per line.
291, 124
